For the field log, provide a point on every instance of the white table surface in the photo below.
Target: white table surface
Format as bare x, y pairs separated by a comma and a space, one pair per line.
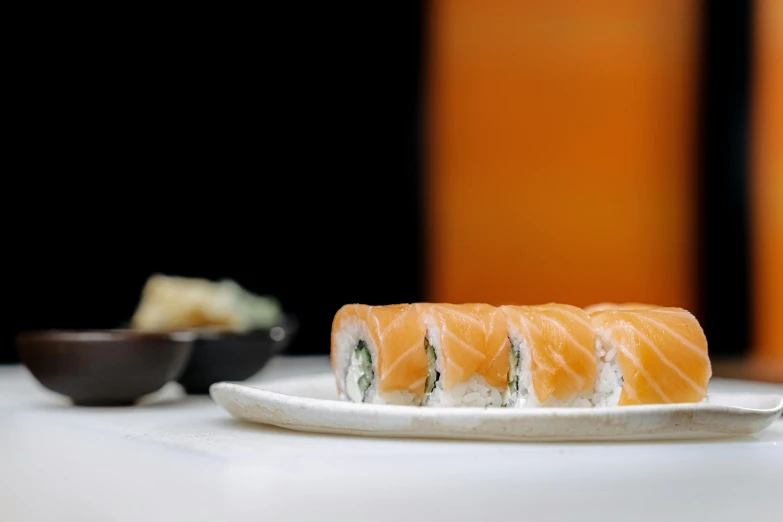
178, 458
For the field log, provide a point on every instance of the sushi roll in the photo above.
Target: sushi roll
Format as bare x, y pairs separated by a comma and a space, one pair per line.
553, 356
650, 356
378, 354
497, 365
461, 363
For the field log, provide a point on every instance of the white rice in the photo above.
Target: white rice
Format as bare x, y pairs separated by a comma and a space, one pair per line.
609, 382
348, 371
525, 395
475, 392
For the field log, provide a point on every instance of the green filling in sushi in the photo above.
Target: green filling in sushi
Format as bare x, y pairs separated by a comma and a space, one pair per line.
360, 374
513, 356
432, 373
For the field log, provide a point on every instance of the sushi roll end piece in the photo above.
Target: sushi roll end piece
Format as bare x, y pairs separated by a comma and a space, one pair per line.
650, 356
378, 354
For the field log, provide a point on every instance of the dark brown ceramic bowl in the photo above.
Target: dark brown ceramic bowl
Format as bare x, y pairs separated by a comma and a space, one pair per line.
104, 367
224, 356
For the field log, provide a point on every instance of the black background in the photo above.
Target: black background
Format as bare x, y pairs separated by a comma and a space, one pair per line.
725, 281
280, 148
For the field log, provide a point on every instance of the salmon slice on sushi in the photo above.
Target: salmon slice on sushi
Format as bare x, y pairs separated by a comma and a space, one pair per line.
599, 307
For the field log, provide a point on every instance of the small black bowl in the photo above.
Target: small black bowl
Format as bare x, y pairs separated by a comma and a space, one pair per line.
104, 367
226, 356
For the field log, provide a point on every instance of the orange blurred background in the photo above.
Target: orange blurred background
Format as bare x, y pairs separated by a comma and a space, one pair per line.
768, 178
563, 151
563, 155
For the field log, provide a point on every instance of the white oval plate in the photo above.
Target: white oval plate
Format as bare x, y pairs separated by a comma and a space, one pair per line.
310, 403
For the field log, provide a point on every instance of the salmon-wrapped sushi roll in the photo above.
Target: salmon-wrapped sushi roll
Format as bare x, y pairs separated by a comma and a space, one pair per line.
378, 354
497, 366
554, 357
462, 369
650, 356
